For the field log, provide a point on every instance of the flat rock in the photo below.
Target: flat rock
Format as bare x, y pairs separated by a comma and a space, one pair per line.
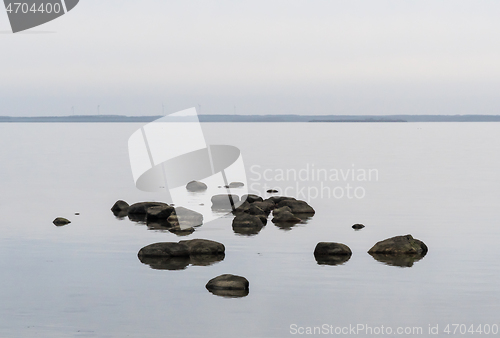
399, 245
228, 282
358, 226
195, 186
272, 191
164, 249
203, 246
235, 185
61, 221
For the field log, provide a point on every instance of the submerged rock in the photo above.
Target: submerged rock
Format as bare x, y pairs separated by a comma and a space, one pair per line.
61, 221
399, 245
358, 226
228, 286
195, 186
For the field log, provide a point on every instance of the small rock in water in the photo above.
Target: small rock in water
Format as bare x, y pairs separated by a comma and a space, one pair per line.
272, 191
225, 202
195, 186
358, 226
330, 253
60, 221
77, 213
234, 185
228, 286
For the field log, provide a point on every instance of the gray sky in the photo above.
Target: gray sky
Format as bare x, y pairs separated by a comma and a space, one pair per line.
264, 57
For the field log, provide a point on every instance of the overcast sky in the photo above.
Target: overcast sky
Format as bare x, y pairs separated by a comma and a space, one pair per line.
256, 57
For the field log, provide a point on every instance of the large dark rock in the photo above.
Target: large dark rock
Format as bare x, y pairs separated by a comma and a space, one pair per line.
277, 211
61, 221
250, 198
297, 206
158, 212
164, 249
398, 245
185, 218
195, 186
120, 208
225, 202
142, 207
228, 282
203, 246
278, 199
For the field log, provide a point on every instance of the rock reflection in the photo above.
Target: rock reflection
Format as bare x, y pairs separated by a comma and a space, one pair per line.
332, 259
230, 293
181, 263
120, 214
166, 263
401, 260
247, 231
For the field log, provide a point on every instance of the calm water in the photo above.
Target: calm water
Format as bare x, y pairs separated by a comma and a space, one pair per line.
438, 182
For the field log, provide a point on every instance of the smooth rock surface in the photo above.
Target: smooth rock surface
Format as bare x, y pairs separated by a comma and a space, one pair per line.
61, 221
164, 249
203, 246
399, 245
297, 206
331, 248
195, 186
228, 282
142, 207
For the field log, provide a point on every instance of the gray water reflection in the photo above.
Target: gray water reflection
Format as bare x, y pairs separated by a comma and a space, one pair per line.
403, 261
181, 263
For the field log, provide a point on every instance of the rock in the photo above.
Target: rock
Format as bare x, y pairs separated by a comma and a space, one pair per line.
181, 232
358, 226
243, 207
297, 206
267, 206
119, 207
248, 225
330, 248
247, 221
203, 247
228, 282
195, 186
158, 212
276, 211
255, 210
142, 207
140, 218
160, 224
164, 249
60, 221
235, 185
251, 198
272, 191
225, 202
185, 218
277, 199
285, 217
399, 245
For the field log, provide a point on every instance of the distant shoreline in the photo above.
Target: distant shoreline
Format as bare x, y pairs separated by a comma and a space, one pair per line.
256, 118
